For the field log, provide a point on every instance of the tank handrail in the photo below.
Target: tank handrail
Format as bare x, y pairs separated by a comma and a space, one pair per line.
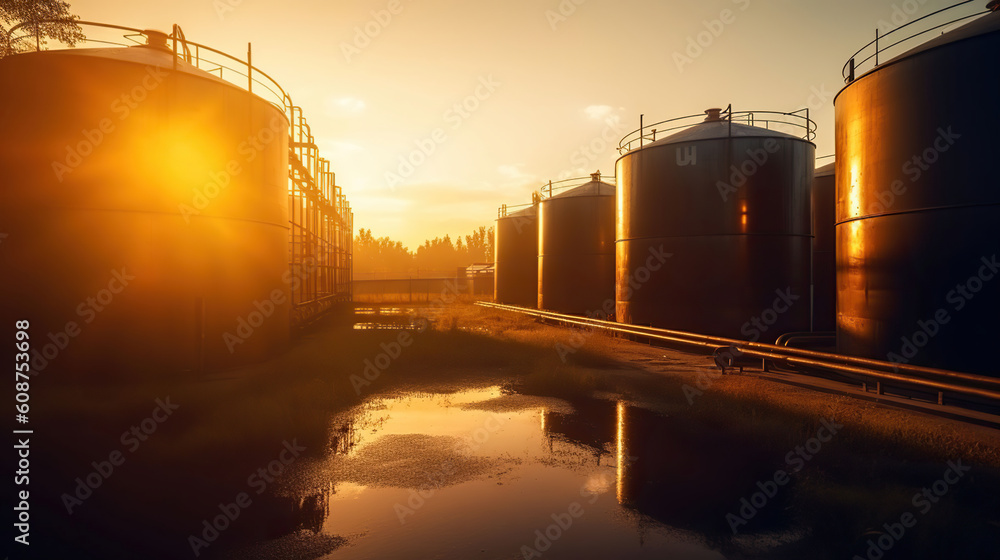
903, 40
283, 97
850, 70
502, 212
795, 119
547, 189
74, 22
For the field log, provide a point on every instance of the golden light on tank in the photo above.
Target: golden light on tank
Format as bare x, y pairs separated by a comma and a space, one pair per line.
130, 161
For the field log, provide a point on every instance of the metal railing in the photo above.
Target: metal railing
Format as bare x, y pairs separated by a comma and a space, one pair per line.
548, 190
938, 380
321, 222
878, 46
798, 122
240, 73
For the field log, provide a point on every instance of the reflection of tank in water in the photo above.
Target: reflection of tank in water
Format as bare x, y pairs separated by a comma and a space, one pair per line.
591, 425
686, 479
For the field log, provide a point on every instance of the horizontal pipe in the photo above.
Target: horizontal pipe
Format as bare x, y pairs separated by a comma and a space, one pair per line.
867, 362
782, 353
783, 339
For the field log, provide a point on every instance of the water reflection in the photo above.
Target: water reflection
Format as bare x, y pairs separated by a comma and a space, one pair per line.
394, 318
688, 478
477, 472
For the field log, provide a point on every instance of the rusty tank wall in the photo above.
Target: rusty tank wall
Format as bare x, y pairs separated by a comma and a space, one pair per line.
918, 208
576, 255
516, 272
714, 232
145, 210
824, 260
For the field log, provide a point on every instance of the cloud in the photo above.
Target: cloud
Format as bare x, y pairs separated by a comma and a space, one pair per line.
345, 106
513, 172
597, 112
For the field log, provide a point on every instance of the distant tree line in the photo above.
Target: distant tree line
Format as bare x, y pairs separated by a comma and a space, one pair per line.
382, 257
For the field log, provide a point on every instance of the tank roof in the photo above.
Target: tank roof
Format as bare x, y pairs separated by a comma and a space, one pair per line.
528, 212
989, 23
592, 188
711, 130
139, 54
826, 171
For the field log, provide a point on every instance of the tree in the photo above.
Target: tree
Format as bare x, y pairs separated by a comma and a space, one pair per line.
380, 255
479, 245
34, 13
387, 258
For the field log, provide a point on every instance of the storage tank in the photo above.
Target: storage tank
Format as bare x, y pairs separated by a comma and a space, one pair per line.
576, 255
145, 206
714, 226
824, 260
918, 208
516, 271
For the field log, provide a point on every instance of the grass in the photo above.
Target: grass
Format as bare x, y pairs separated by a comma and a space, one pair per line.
232, 422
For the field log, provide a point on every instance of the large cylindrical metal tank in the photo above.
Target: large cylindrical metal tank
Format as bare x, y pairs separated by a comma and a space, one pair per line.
824, 260
516, 271
576, 255
145, 206
714, 230
918, 208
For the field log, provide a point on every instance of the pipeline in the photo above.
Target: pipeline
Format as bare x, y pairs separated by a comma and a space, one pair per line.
930, 378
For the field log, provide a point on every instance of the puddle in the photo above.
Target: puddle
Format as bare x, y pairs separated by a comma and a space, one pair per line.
394, 318
482, 473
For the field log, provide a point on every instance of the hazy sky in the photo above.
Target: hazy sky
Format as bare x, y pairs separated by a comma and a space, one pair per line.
534, 82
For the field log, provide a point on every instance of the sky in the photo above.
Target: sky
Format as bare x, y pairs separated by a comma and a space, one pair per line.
492, 99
